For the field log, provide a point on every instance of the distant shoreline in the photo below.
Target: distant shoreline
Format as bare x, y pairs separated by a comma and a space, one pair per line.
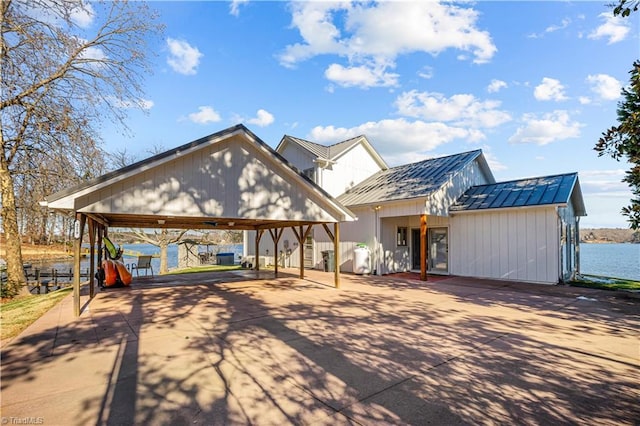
609, 235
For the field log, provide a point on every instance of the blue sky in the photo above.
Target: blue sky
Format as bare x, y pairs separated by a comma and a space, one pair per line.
534, 84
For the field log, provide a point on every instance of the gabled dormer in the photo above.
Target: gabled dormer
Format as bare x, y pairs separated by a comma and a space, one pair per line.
336, 168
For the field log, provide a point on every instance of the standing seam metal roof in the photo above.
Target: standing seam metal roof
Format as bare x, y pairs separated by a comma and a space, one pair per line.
538, 191
326, 152
407, 181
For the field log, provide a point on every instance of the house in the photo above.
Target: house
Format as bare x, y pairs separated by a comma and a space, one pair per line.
444, 215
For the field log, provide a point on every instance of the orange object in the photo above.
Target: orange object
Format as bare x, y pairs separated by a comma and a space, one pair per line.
123, 273
110, 273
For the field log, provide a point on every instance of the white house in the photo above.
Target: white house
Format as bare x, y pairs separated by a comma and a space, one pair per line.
445, 215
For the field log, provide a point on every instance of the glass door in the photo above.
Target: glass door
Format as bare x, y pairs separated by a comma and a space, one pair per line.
438, 250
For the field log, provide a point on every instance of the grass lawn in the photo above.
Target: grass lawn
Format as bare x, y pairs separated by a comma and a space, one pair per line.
606, 283
19, 313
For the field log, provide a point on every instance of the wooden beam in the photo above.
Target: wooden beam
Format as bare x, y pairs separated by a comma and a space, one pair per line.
78, 233
97, 218
423, 247
336, 254
329, 233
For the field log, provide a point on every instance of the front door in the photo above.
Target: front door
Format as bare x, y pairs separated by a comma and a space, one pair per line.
415, 249
438, 250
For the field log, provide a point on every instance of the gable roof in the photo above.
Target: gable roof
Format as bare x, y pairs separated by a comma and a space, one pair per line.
531, 192
332, 152
408, 181
230, 174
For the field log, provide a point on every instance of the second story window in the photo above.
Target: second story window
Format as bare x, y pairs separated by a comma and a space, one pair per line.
310, 173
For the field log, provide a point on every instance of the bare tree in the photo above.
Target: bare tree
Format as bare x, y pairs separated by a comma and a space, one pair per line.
65, 64
161, 238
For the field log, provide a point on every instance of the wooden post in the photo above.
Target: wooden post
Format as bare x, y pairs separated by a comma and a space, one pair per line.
301, 236
92, 253
423, 247
276, 237
257, 259
336, 254
78, 230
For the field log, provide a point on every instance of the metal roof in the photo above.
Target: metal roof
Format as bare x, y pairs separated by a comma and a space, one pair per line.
326, 152
408, 181
537, 191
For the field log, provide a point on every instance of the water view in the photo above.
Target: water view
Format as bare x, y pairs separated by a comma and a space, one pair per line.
611, 260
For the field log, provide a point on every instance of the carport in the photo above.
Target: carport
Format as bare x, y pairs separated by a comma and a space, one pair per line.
228, 180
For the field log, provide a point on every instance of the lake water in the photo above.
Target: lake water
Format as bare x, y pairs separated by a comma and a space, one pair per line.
172, 256
611, 260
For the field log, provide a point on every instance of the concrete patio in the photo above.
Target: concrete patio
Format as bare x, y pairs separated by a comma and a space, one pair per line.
222, 348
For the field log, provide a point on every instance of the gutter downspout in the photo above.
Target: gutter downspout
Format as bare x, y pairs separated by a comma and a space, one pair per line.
561, 257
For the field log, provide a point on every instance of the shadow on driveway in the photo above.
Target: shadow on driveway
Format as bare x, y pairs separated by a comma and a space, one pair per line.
223, 349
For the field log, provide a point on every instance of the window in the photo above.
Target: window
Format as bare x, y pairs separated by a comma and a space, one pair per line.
401, 236
310, 173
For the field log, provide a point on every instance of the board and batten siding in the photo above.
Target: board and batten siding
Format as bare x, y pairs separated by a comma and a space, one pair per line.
515, 244
231, 179
298, 157
351, 168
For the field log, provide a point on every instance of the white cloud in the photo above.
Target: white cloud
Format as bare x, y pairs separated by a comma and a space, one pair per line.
584, 100
205, 115
496, 86
83, 15
552, 28
93, 53
605, 86
262, 119
494, 164
367, 32
394, 138
361, 76
549, 90
550, 127
614, 28
426, 72
234, 6
183, 58
462, 109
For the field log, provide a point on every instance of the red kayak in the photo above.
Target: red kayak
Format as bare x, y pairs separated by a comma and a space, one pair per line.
115, 273
110, 273
123, 273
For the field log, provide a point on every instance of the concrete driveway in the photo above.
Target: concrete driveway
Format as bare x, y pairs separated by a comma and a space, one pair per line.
220, 349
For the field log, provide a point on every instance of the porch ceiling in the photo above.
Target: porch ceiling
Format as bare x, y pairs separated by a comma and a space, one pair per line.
188, 222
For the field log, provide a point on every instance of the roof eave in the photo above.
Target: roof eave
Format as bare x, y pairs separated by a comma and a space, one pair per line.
502, 209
